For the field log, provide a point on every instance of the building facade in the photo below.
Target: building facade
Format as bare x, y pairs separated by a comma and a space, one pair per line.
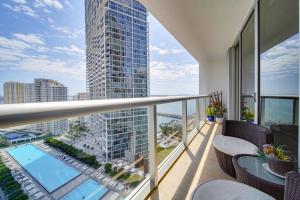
47, 90
13, 92
42, 90
29, 93
117, 67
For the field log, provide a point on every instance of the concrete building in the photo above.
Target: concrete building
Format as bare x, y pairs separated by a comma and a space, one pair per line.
117, 67
29, 93
47, 90
13, 92
81, 96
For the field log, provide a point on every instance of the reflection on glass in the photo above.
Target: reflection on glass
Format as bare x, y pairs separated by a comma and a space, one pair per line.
279, 66
248, 70
169, 130
191, 115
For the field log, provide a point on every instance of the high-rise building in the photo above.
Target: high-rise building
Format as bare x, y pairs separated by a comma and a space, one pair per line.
81, 96
13, 92
29, 93
42, 90
47, 90
117, 67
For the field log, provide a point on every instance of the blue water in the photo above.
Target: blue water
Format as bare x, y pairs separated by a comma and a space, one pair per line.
88, 190
50, 172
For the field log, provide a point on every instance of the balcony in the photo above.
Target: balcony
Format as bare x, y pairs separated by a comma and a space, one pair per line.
163, 150
237, 46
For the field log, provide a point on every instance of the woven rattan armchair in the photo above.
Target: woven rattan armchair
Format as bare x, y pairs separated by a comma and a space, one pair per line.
255, 134
275, 190
292, 186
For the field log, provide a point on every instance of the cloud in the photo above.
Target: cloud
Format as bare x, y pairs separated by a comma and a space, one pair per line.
73, 50
48, 3
50, 20
20, 1
165, 51
69, 4
40, 65
21, 8
29, 38
170, 72
66, 30
13, 44
25, 53
9, 55
281, 61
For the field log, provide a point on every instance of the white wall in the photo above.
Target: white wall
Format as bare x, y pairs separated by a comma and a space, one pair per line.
213, 76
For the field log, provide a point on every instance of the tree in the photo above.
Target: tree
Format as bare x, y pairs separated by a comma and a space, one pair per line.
108, 168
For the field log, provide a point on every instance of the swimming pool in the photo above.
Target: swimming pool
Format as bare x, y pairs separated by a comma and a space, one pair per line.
50, 172
88, 190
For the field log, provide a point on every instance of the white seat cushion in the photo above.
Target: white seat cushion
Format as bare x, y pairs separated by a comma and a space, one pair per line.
227, 190
234, 146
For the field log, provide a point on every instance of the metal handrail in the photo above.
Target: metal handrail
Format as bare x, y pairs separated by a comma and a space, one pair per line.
28, 113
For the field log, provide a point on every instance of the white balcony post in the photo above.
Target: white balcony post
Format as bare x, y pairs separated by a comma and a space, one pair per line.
198, 115
184, 122
152, 136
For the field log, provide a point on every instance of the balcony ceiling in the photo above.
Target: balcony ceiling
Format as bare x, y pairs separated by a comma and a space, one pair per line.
206, 28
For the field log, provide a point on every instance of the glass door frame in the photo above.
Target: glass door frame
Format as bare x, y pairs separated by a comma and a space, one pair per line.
237, 66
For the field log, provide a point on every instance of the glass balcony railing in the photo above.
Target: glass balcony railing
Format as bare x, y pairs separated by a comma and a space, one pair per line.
279, 110
123, 147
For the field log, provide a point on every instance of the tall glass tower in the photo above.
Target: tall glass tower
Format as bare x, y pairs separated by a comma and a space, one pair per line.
117, 67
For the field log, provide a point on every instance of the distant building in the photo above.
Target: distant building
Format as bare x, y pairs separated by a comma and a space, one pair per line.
13, 92
19, 136
81, 96
42, 90
29, 93
47, 90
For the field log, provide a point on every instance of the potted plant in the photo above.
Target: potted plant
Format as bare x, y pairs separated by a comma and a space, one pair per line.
220, 110
210, 113
248, 115
278, 159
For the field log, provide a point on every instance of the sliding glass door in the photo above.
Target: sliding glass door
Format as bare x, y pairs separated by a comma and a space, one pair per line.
279, 70
248, 92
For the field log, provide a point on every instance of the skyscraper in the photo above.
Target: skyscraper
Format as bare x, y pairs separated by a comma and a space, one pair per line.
117, 67
13, 92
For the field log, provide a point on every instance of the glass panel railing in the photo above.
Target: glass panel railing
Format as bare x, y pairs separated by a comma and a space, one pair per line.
107, 151
169, 128
111, 151
191, 115
279, 110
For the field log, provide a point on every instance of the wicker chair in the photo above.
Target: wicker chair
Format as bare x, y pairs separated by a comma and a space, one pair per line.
275, 190
207, 190
292, 186
252, 133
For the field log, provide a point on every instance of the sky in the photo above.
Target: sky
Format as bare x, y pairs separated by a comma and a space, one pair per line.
280, 68
46, 39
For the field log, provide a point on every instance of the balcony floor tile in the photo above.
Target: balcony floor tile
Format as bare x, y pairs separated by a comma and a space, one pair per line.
196, 165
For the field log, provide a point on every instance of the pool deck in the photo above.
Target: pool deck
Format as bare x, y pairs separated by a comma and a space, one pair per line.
66, 188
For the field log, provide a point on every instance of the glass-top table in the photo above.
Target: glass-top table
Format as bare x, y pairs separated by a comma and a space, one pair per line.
254, 166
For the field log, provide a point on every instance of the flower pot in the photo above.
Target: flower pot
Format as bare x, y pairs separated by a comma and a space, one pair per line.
280, 166
219, 120
211, 118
